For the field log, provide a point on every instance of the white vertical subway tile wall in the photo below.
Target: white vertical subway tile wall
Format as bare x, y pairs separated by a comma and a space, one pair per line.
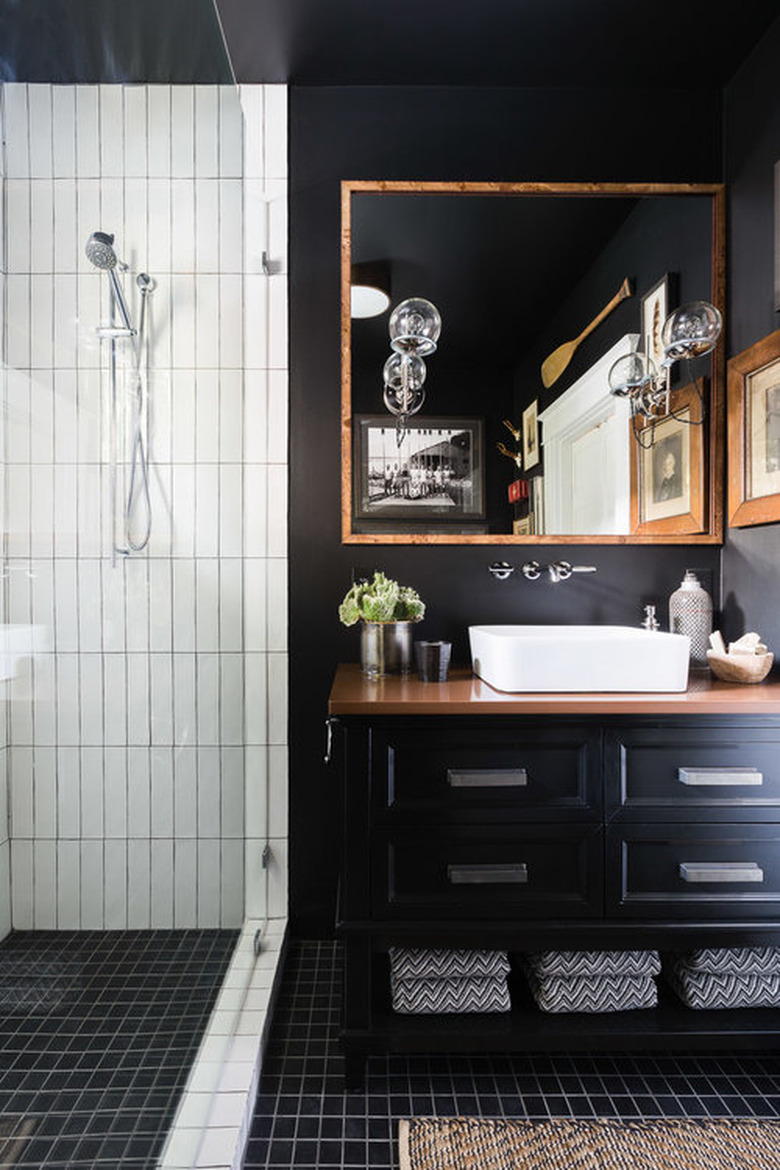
5, 383
143, 747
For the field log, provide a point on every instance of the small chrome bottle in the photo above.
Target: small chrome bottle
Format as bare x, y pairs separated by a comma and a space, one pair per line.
690, 612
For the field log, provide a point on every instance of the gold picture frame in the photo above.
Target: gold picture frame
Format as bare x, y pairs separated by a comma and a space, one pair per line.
753, 405
668, 475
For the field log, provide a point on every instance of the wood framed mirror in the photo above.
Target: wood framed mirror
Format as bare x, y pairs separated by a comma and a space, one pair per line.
520, 272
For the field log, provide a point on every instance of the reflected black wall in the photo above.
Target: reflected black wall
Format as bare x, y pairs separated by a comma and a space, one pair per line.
663, 236
751, 556
448, 134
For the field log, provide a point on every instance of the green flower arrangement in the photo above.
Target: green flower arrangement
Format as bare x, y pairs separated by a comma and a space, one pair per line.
381, 600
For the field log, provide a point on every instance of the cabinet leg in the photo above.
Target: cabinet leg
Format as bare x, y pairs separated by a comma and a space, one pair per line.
354, 1071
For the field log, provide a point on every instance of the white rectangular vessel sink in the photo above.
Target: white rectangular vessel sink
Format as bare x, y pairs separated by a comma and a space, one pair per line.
579, 658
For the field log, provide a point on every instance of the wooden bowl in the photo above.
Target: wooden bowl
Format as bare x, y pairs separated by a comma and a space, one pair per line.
740, 668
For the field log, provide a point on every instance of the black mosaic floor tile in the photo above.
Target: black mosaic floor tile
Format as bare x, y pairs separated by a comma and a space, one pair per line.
304, 1119
98, 1031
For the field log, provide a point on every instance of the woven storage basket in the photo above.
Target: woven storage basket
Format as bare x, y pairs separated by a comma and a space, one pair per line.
586, 964
729, 960
441, 964
600, 994
431, 996
705, 989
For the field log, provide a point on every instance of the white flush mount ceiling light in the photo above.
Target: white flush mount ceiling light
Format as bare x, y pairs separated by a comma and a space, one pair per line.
689, 332
369, 289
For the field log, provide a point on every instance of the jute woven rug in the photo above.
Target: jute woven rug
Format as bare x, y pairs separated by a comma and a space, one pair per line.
469, 1143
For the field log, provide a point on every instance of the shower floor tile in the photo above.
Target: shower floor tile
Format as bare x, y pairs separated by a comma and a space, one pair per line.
98, 1031
303, 1117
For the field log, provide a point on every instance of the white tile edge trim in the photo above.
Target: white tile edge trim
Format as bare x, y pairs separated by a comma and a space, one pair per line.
211, 1126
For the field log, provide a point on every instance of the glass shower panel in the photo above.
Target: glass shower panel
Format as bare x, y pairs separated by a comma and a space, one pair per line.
138, 737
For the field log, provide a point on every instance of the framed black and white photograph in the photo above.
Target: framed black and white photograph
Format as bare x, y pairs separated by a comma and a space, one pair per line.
432, 469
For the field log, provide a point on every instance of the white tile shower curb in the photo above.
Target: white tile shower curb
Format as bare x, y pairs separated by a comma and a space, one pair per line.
211, 1126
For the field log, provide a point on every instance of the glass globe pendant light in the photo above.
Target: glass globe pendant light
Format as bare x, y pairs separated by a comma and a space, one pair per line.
691, 331
414, 327
404, 376
631, 375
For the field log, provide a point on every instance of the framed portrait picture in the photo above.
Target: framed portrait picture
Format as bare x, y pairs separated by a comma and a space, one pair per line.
668, 468
434, 473
656, 305
530, 435
754, 434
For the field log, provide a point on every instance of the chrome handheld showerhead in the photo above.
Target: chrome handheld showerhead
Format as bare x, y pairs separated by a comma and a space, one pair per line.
100, 251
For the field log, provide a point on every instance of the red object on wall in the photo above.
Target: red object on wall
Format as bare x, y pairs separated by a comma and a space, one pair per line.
518, 491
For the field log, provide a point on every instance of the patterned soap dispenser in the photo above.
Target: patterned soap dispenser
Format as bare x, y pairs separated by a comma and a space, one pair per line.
690, 612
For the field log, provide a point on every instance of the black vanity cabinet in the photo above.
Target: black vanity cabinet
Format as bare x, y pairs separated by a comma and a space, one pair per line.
523, 824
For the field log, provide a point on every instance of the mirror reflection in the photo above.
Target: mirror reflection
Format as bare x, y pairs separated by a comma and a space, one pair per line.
533, 415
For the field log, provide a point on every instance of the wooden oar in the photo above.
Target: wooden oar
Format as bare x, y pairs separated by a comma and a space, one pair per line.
556, 363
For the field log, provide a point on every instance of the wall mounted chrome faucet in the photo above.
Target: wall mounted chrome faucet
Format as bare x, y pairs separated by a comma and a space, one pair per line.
532, 570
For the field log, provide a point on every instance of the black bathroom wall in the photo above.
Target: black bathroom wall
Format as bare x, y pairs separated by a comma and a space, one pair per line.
751, 556
671, 236
437, 133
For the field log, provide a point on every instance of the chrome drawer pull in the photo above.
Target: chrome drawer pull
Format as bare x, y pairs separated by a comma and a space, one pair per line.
721, 871
738, 777
480, 875
485, 778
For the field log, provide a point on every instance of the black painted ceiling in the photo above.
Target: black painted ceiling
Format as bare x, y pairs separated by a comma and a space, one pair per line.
381, 42
492, 42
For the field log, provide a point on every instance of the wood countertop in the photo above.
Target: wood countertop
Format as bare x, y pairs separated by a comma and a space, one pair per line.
465, 694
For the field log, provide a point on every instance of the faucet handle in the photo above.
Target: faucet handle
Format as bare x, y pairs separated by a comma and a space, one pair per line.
501, 570
562, 570
650, 620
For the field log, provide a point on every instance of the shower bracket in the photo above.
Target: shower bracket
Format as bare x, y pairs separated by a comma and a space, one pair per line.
111, 332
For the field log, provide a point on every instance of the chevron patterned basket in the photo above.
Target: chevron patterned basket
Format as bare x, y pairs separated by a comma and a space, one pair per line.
709, 989
422, 963
599, 994
429, 996
587, 964
729, 960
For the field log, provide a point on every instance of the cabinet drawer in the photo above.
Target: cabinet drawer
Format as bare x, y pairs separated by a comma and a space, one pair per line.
693, 871
498, 873
690, 773
449, 772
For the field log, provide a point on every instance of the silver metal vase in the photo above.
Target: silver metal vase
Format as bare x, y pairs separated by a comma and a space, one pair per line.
386, 648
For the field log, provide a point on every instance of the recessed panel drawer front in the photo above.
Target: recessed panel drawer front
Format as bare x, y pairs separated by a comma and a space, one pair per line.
693, 871
452, 772
498, 873
710, 773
